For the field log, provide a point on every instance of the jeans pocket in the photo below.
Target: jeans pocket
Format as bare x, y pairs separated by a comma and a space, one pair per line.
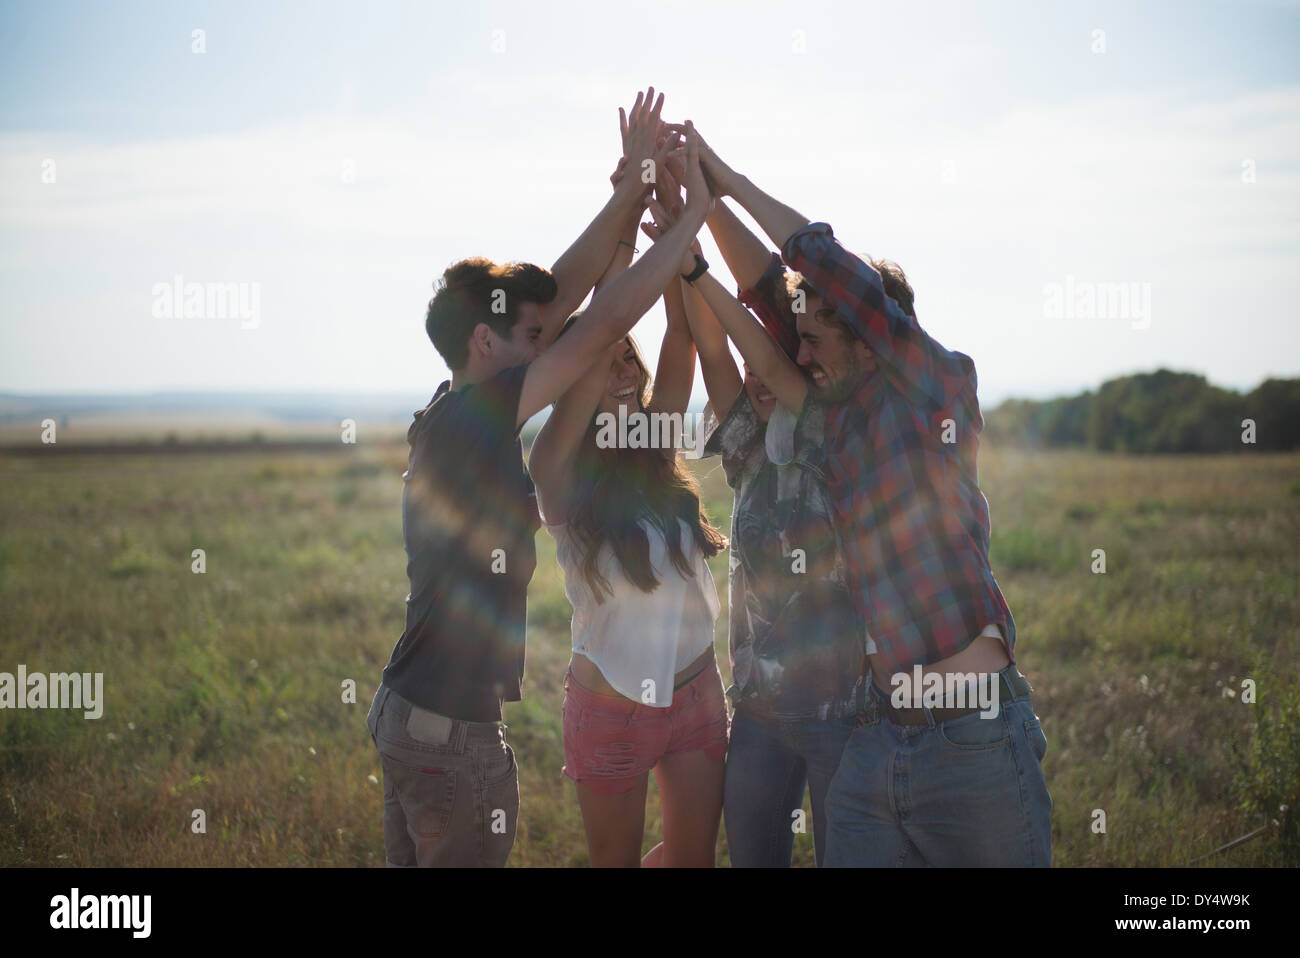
1037, 738
372, 716
496, 763
974, 733
499, 811
426, 793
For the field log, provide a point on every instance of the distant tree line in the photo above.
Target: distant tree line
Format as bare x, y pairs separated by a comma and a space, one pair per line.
1163, 411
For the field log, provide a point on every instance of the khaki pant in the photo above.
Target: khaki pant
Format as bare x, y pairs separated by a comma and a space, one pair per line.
451, 788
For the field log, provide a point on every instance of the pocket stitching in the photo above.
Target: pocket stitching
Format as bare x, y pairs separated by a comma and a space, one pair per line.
512, 767
1036, 724
1002, 742
447, 796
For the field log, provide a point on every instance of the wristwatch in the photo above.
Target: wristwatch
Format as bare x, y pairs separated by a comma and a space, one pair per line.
701, 267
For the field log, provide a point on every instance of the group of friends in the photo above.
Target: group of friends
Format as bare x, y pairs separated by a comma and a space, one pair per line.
864, 615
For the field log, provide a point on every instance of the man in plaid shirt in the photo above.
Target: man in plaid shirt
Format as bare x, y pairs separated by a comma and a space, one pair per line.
925, 779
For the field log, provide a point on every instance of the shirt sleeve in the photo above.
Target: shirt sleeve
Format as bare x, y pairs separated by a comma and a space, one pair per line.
770, 303
735, 437
935, 379
810, 428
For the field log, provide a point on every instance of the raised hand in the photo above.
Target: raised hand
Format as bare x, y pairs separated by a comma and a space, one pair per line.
721, 178
662, 220
665, 209
676, 164
699, 198
667, 189
645, 137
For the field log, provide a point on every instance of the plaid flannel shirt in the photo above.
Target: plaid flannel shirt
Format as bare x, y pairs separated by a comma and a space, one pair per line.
914, 525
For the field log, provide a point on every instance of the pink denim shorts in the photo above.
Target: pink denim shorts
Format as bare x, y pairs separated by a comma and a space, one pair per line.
609, 742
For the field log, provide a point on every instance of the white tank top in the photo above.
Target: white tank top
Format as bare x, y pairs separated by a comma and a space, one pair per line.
640, 640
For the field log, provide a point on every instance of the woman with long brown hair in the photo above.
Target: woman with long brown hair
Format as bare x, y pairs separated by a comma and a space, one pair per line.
643, 689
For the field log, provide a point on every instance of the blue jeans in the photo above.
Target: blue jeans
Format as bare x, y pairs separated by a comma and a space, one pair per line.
769, 761
966, 792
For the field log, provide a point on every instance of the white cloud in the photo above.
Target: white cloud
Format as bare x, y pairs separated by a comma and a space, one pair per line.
1113, 188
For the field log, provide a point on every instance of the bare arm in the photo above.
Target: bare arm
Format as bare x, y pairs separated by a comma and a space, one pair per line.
582, 264
721, 377
617, 307
551, 461
767, 360
622, 257
777, 220
676, 373
746, 256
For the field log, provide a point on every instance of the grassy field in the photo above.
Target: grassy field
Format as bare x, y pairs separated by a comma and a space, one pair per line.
223, 690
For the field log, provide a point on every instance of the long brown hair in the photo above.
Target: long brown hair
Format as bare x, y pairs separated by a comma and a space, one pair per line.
619, 487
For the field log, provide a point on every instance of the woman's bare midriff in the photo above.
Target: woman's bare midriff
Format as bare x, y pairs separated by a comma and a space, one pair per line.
591, 679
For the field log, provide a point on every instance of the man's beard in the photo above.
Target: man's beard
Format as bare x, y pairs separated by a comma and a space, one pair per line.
845, 386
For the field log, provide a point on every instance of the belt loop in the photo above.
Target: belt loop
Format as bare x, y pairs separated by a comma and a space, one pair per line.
459, 732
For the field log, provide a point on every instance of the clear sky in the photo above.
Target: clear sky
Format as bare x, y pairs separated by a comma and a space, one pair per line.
337, 156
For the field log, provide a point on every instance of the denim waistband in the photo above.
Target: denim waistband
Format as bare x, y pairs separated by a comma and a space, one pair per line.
1008, 677
760, 704
1008, 672
462, 731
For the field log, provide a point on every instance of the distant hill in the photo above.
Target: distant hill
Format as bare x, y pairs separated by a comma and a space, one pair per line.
1163, 411
197, 415
289, 407
188, 416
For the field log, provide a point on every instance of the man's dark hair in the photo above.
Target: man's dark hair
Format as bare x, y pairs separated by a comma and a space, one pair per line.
466, 293
892, 278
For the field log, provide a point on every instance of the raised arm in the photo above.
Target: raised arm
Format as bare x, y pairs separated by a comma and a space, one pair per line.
721, 378
765, 358
550, 461
746, 256
626, 244
776, 219
675, 374
928, 374
582, 264
931, 376
616, 308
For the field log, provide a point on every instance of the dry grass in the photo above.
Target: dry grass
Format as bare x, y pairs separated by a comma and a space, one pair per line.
223, 690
